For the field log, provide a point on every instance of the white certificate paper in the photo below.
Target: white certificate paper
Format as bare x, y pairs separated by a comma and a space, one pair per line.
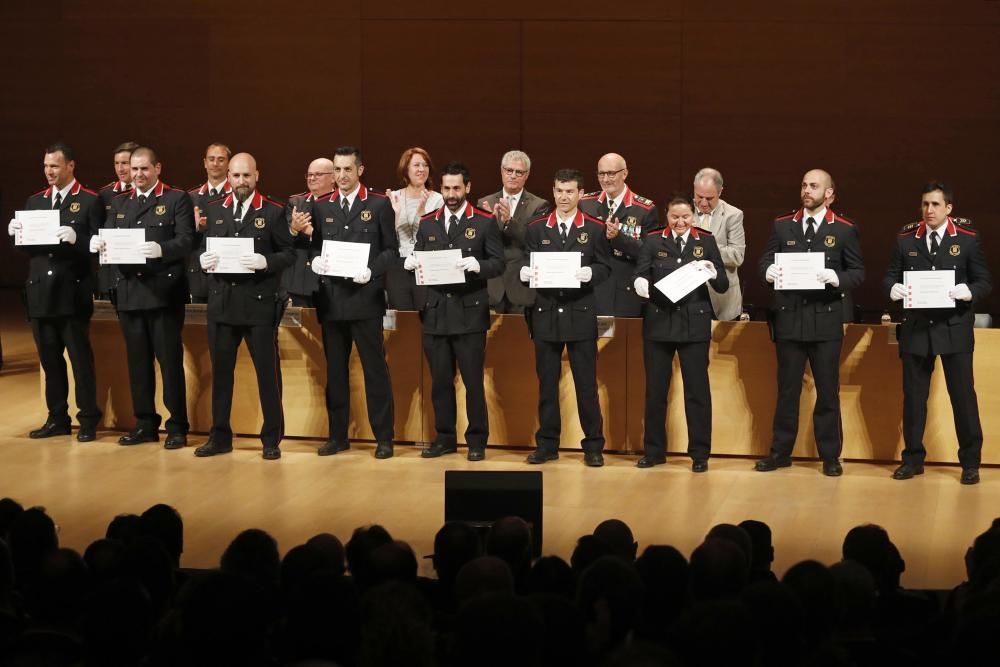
439, 267
928, 289
678, 284
121, 246
37, 227
554, 269
345, 259
229, 250
797, 270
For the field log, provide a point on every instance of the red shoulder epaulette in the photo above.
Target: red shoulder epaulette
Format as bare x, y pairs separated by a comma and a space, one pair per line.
300, 194
908, 228
271, 201
970, 232
643, 202
594, 220
88, 191
592, 195
536, 221
429, 215
786, 217
40, 192
704, 231
195, 189
123, 192
479, 211
376, 193
108, 186
658, 232
840, 218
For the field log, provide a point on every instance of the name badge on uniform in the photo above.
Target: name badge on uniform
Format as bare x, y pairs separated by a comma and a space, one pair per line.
830, 241
470, 233
259, 223
546, 242
913, 253
432, 238
218, 222
120, 216
662, 253
698, 252
74, 207
583, 238
366, 215
161, 209
329, 219
789, 242
955, 250
617, 253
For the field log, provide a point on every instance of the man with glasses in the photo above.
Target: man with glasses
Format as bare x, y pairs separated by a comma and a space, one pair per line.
216, 186
513, 208
627, 217
299, 280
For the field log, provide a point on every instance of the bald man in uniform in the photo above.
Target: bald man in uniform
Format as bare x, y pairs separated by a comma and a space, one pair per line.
299, 281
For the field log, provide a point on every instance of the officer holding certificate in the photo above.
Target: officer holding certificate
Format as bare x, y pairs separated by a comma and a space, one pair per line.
682, 326
938, 243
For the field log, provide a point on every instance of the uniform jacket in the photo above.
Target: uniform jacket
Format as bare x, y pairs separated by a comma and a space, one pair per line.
638, 216
814, 315
690, 319
726, 227
299, 277
568, 314
201, 197
106, 274
168, 219
931, 331
462, 307
245, 299
371, 220
529, 207
60, 282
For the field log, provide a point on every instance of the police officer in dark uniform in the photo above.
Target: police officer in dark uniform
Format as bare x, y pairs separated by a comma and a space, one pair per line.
683, 327
150, 297
122, 183
217, 186
299, 280
59, 295
565, 318
246, 306
457, 316
351, 309
938, 242
627, 217
807, 324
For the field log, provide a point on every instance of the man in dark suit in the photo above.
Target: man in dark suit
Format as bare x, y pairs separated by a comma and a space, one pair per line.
683, 327
457, 316
513, 208
150, 297
938, 243
122, 182
59, 295
300, 281
627, 217
246, 306
351, 309
807, 324
216, 186
565, 318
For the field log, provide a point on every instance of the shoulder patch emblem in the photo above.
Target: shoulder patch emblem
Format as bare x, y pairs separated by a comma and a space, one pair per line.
366, 215
470, 233
955, 250
584, 237
830, 241
74, 207
259, 223
161, 209
698, 252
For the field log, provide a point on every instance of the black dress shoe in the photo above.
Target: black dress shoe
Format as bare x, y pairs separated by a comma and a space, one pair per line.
650, 461
970, 476
833, 468
332, 446
476, 455
907, 471
211, 448
772, 462
271, 453
593, 459
138, 436
437, 449
541, 456
49, 429
175, 441
86, 434
383, 450
699, 466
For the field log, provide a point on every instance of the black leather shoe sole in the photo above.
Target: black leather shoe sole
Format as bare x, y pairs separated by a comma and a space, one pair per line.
907, 471
331, 447
176, 441
212, 449
49, 431
137, 438
650, 461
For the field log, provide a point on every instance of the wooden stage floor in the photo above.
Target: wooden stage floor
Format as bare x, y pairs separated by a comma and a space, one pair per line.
932, 519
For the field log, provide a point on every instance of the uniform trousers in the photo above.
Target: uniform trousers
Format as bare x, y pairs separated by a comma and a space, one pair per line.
917, 372
468, 352
262, 342
156, 334
52, 336
658, 358
583, 364
824, 360
338, 336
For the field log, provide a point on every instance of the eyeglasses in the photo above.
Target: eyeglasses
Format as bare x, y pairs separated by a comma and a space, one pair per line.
317, 174
609, 174
515, 172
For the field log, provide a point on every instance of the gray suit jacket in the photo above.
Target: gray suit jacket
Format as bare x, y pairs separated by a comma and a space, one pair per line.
727, 230
529, 208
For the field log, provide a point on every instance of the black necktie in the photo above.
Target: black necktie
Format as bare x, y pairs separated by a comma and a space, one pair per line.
810, 229
452, 221
237, 212
679, 241
562, 231
212, 192
345, 206
58, 200
142, 199
934, 244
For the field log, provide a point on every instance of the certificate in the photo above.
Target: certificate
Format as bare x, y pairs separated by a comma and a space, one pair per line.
229, 250
554, 269
37, 227
678, 284
121, 246
345, 259
439, 267
928, 289
797, 270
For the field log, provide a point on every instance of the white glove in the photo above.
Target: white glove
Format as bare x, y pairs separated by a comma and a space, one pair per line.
66, 235
708, 266
97, 244
898, 292
525, 274
772, 273
150, 249
960, 292
255, 261
828, 277
209, 260
14, 227
411, 262
584, 274
318, 265
469, 264
641, 287
363, 277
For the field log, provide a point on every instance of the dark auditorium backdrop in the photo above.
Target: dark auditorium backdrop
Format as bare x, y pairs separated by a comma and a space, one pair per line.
883, 93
